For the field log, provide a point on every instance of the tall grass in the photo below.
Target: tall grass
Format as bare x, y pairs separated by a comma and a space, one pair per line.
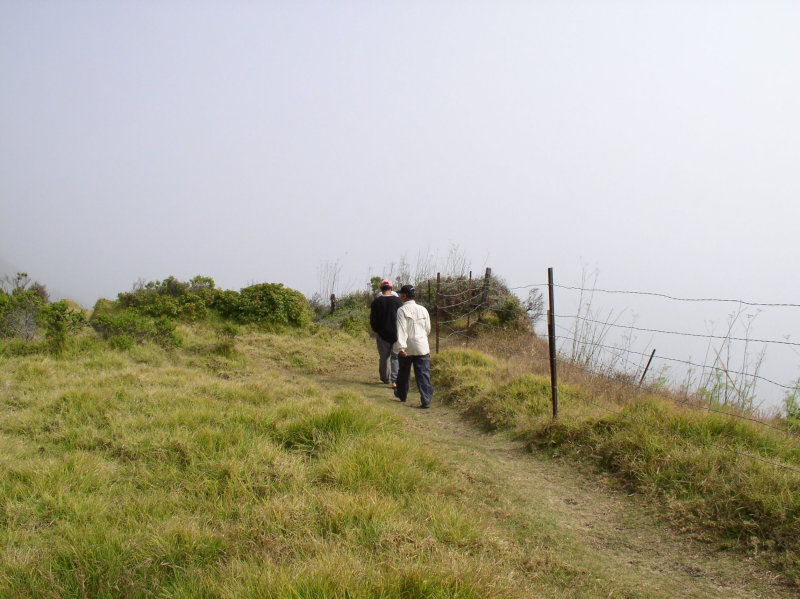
190, 472
690, 459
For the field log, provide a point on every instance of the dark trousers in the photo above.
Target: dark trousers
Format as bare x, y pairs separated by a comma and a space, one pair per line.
422, 373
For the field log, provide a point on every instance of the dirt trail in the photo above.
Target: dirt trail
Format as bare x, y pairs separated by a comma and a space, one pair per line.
618, 529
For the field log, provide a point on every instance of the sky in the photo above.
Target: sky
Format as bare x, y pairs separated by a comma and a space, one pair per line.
654, 142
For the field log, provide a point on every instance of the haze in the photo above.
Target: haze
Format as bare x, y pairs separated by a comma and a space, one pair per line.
254, 141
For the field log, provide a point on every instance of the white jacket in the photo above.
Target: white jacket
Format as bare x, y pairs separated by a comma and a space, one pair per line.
413, 328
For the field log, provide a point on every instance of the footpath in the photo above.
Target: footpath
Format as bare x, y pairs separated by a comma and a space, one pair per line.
595, 521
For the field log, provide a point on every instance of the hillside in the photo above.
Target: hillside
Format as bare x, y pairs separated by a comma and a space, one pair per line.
272, 465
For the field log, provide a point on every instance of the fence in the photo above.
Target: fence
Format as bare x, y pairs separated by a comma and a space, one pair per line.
589, 345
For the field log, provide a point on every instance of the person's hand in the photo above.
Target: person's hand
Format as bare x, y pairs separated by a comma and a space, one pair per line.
402, 353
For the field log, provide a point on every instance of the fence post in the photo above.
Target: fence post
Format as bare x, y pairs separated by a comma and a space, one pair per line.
551, 333
436, 306
333, 303
646, 367
469, 304
485, 293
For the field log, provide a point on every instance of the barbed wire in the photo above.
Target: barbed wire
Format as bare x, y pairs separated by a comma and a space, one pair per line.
478, 308
460, 293
687, 362
461, 303
679, 299
685, 334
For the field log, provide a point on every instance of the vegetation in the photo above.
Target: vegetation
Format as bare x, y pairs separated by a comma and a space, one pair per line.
196, 472
691, 460
197, 442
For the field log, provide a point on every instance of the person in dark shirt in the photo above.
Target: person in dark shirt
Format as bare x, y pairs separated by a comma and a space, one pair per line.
383, 320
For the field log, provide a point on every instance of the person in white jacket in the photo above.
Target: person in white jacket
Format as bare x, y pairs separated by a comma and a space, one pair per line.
413, 328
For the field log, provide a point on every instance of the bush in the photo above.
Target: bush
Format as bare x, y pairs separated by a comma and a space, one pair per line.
19, 313
111, 322
273, 304
351, 315
510, 313
59, 319
171, 298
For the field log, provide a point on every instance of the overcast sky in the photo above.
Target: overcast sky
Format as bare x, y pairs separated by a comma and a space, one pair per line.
254, 141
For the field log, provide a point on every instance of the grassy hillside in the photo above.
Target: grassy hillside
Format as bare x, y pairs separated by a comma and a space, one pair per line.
692, 461
228, 461
233, 469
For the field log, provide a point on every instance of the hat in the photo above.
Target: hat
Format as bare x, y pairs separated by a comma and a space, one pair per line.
407, 290
386, 283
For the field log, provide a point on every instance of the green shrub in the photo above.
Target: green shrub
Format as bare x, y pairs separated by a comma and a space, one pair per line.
19, 313
227, 303
59, 320
171, 298
274, 304
139, 327
351, 315
510, 313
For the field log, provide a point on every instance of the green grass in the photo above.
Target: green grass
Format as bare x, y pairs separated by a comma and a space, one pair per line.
232, 467
689, 459
186, 472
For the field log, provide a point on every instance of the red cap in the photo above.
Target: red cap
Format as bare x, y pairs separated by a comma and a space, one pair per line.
386, 283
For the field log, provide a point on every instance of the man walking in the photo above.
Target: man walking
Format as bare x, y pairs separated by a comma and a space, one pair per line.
383, 320
413, 328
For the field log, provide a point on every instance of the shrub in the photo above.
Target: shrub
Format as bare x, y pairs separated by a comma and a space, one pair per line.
110, 323
59, 319
510, 312
227, 303
19, 313
351, 315
274, 304
171, 298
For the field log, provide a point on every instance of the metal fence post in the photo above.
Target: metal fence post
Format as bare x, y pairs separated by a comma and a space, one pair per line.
641, 380
469, 304
551, 333
485, 294
436, 306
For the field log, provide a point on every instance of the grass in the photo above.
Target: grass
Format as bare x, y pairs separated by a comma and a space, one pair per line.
195, 472
689, 459
230, 467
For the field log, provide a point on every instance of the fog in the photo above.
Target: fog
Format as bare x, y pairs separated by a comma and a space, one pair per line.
255, 141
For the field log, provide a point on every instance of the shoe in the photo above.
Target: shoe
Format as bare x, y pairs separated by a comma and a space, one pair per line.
422, 407
394, 385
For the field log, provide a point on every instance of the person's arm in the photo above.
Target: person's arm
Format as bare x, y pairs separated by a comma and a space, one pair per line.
373, 316
402, 333
427, 323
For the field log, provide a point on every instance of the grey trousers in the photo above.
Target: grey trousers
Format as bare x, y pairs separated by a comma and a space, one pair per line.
422, 373
387, 361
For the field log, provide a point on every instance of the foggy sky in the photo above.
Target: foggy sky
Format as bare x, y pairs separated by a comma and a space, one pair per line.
254, 141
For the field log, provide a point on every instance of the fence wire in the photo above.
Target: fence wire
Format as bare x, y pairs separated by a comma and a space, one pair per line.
681, 333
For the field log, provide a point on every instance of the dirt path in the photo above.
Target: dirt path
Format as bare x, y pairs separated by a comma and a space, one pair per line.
605, 525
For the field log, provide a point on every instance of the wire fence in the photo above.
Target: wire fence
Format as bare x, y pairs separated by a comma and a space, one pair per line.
598, 358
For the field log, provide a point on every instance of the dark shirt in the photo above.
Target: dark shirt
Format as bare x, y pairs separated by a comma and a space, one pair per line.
383, 316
